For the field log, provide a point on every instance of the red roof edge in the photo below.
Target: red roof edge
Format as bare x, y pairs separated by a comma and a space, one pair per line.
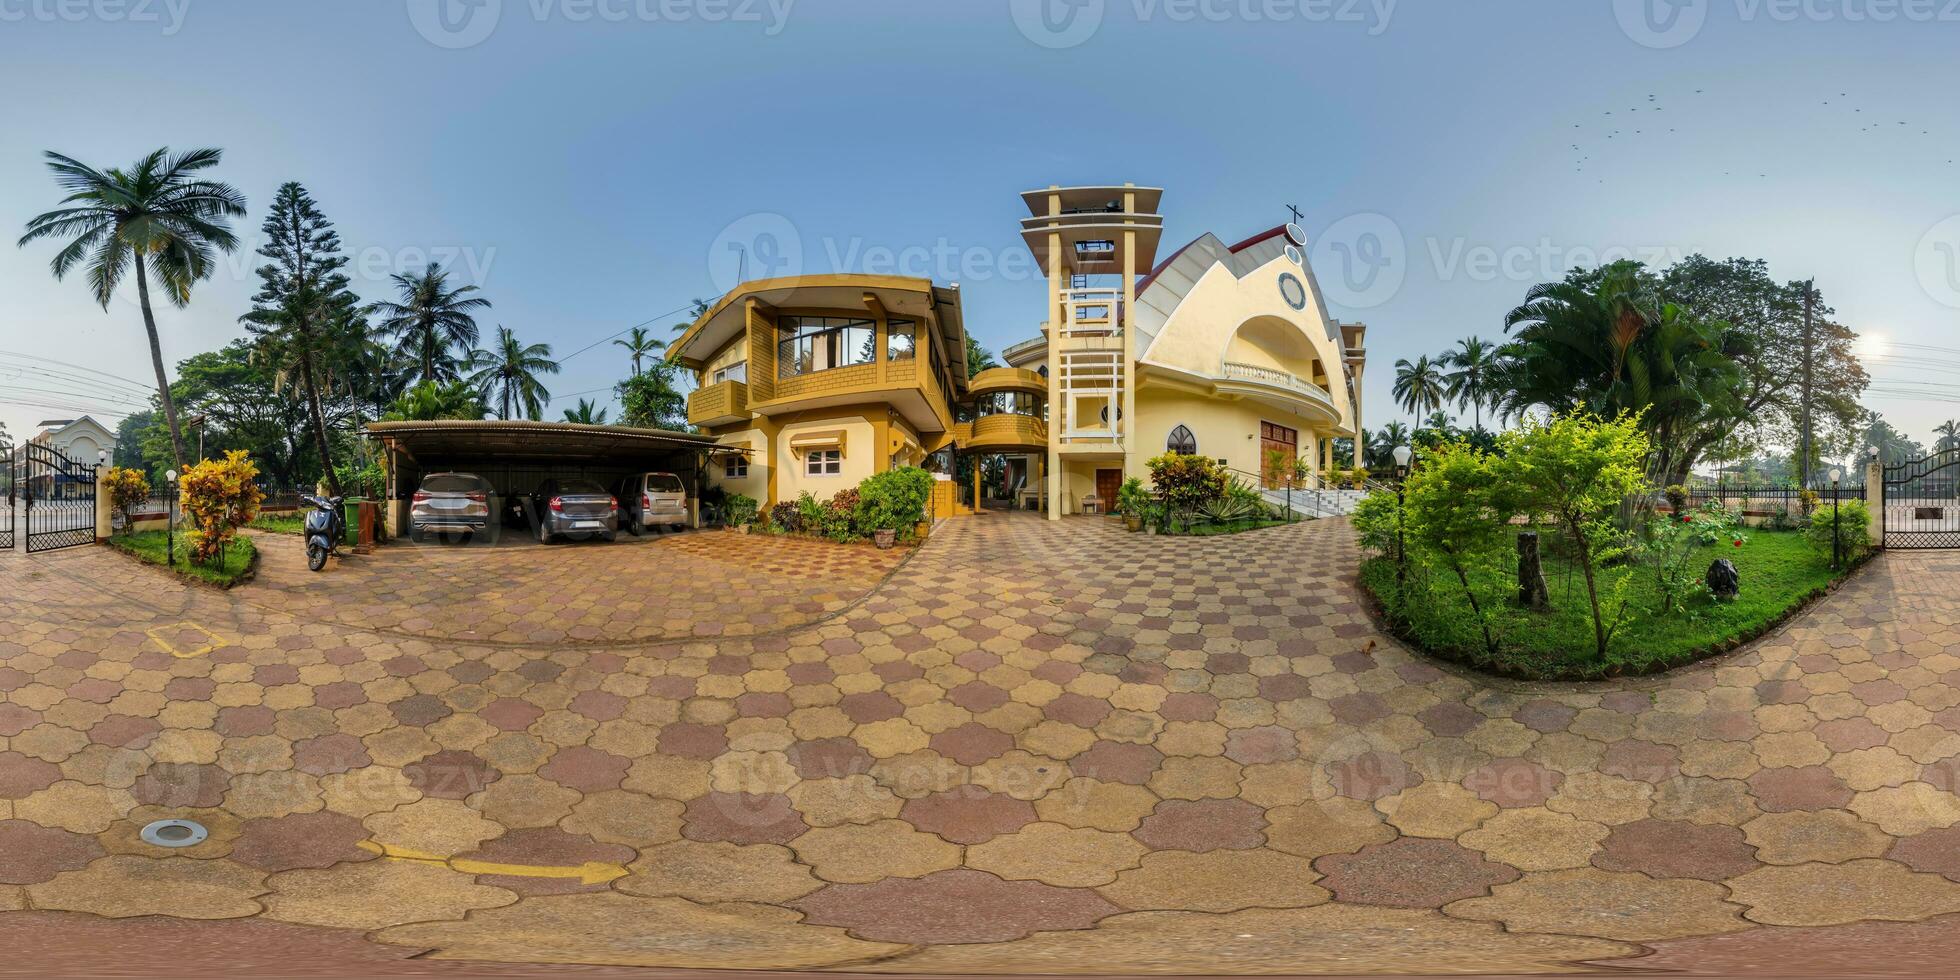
1161, 266
1256, 239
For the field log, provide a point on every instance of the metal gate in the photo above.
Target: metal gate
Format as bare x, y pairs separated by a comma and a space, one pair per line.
1921, 502
58, 496
9, 503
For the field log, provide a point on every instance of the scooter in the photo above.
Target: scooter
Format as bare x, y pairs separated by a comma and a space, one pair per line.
324, 528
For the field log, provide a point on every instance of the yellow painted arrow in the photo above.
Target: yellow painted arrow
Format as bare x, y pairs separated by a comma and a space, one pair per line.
589, 873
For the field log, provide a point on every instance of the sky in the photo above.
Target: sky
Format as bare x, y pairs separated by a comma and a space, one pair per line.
596, 164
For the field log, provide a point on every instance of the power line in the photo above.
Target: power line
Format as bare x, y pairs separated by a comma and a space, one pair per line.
622, 333
147, 385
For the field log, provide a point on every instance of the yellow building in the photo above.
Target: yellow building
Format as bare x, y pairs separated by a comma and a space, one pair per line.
821, 381
1223, 351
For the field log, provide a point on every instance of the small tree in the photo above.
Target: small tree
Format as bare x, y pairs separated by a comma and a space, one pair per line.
1459, 505
1187, 482
219, 497
127, 489
1579, 468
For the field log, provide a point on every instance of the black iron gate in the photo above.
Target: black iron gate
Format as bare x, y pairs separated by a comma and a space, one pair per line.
1921, 502
9, 502
58, 496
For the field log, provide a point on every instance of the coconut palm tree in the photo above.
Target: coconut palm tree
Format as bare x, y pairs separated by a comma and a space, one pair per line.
1381, 448
157, 218
508, 372
1949, 435
1420, 387
1471, 365
640, 344
587, 413
432, 320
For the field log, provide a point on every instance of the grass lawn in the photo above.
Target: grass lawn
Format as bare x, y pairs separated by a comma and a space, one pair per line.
293, 523
239, 558
1779, 572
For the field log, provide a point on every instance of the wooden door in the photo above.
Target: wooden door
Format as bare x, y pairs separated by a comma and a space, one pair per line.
1277, 438
1106, 483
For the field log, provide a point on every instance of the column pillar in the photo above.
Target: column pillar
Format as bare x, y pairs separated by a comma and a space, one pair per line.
104, 506
1058, 408
1875, 502
1360, 433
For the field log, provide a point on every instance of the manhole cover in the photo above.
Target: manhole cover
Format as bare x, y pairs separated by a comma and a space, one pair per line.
174, 833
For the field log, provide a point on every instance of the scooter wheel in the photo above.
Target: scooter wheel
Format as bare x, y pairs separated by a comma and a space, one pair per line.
316, 558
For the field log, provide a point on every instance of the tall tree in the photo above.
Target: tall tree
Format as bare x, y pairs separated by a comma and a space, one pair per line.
640, 344
695, 308
508, 373
1471, 365
1892, 445
652, 399
432, 321
303, 304
157, 218
434, 400
1949, 433
978, 358
1420, 387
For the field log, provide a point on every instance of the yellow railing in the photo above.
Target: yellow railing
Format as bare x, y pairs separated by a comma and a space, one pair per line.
727, 400
1007, 379
1009, 430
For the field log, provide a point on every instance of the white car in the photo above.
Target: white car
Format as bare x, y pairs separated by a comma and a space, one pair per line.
652, 500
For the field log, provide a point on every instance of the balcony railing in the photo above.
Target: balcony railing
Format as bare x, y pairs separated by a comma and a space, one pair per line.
1092, 313
1008, 429
1275, 378
723, 402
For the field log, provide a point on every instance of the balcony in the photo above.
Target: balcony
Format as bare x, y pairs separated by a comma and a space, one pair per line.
719, 404
1007, 379
1275, 381
1007, 432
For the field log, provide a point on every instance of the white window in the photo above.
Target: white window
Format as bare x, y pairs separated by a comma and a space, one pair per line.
823, 462
735, 467
738, 371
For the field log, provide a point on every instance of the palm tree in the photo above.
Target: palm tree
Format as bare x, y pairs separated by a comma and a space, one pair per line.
695, 308
432, 400
1949, 433
431, 320
1420, 387
1381, 448
1892, 445
587, 413
640, 344
156, 217
1471, 366
509, 372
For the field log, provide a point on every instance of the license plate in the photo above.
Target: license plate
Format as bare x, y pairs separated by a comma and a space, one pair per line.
585, 524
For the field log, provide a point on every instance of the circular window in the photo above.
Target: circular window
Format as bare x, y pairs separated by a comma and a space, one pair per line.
1291, 290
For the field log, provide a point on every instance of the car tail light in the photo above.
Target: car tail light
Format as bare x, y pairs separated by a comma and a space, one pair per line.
421, 496
646, 503
557, 503
478, 496
614, 501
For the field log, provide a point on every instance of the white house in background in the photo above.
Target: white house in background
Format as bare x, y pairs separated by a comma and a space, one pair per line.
81, 440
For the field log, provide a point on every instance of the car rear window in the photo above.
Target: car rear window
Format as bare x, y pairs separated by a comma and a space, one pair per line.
579, 486
452, 483
663, 483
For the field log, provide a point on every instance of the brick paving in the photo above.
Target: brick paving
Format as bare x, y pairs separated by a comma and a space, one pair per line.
1035, 748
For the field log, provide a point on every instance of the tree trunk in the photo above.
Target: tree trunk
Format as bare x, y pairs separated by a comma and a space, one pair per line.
319, 421
156, 361
1533, 593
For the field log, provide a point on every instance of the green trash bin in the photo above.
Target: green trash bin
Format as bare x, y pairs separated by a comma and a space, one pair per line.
350, 518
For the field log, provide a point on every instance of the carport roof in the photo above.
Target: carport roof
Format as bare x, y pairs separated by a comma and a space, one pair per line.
451, 438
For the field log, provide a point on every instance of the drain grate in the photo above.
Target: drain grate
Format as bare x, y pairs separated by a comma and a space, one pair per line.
174, 833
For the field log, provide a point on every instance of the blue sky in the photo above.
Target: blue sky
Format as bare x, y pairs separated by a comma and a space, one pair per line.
588, 162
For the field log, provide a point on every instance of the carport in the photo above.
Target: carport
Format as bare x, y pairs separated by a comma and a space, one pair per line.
516, 456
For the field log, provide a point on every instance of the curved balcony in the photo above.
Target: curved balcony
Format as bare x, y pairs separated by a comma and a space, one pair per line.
1005, 433
719, 404
1007, 379
1258, 380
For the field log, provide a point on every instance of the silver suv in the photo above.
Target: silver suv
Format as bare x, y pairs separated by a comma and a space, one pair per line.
451, 502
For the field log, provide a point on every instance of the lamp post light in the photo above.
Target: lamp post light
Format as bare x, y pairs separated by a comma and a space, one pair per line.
170, 521
1402, 456
1837, 548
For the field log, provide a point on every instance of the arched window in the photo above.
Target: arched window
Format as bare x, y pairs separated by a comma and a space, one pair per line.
1182, 441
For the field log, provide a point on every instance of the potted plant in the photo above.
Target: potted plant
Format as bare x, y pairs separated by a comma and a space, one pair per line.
1131, 499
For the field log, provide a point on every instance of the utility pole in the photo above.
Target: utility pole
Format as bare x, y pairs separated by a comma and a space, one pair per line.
1809, 308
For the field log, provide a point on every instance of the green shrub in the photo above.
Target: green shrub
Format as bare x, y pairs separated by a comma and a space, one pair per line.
127, 490
786, 517
1459, 504
1375, 519
1132, 498
839, 514
809, 514
894, 500
741, 509
1186, 482
1852, 529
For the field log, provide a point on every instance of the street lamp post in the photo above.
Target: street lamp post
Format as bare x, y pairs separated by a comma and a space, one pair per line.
1402, 456
1837, 548
170, 521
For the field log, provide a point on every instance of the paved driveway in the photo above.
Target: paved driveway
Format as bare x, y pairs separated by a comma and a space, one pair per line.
1036, 748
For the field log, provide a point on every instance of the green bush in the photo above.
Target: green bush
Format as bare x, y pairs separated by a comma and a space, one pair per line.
894, 500
786, 517
1132, 498
1187, 482
1375, 520
741, 509
809, 514
1852, 529
839, 514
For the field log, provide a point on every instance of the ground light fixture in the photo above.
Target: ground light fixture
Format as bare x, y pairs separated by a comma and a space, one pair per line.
1402, 455
170, 522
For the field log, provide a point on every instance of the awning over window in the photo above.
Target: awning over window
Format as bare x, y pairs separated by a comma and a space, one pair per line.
821, 439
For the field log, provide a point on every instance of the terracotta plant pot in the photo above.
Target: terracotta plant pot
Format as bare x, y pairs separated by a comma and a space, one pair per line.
1133, 521
884, 538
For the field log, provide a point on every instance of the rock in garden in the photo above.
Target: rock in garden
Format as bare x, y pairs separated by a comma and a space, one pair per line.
1723, 579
